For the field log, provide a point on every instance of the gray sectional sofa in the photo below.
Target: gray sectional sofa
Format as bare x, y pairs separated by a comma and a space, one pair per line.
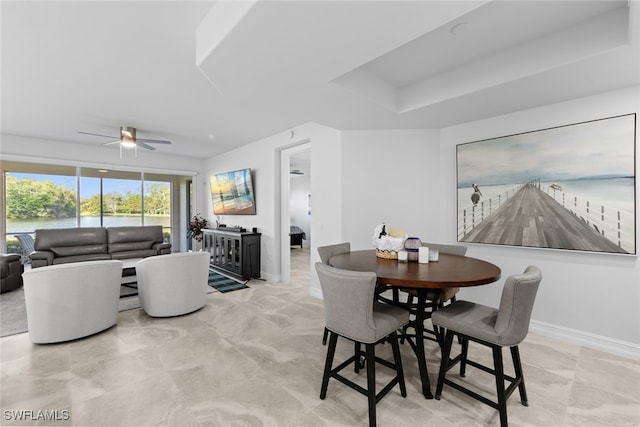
64, 245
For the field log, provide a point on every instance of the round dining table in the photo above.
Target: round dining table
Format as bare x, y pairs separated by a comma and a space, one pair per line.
450, 271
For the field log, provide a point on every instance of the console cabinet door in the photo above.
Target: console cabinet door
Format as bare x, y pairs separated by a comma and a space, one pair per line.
235, 253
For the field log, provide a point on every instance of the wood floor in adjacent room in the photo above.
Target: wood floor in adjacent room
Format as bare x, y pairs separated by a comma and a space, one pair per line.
254, 357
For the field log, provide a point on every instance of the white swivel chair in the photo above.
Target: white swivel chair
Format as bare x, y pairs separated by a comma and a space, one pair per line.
70, 301
173, 284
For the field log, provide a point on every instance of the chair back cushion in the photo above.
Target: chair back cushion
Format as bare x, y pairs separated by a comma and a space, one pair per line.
326, 252
349, 307
516, 304
447, 249
348, 301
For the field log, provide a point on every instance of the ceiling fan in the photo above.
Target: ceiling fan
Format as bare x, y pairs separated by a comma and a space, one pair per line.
128, 139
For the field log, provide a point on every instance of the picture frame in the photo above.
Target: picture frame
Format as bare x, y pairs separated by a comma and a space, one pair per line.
570, 187
232, 193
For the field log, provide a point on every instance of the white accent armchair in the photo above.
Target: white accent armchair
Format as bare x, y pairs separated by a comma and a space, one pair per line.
173, 284
70, 301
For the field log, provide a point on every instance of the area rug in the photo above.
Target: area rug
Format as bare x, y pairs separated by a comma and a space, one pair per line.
223, 283
13, 313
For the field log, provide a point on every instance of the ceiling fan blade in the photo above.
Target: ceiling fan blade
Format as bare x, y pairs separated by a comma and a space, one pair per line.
143, 145
95, 134
111, 142
154, 141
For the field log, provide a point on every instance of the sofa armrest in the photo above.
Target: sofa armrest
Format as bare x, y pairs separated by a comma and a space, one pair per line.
162, 248
41, 258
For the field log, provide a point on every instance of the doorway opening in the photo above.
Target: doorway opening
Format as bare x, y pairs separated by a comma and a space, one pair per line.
296, 207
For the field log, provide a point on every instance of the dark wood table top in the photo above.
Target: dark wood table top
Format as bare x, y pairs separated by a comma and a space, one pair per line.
450, 271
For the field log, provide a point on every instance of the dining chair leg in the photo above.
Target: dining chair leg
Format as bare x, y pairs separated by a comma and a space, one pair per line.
463, 360
371, 382
328, 364
517, 367
356, 353
397, 361
444, 363
499, 372
324, 336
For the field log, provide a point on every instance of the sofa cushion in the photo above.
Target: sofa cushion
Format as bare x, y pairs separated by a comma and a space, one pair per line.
143, 253
130, 246
82, 236
134, 234
81, 258
62, 251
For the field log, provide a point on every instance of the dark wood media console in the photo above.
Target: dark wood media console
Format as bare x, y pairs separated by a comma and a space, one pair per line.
234, 253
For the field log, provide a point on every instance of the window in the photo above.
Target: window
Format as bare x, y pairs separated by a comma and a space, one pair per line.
49, 196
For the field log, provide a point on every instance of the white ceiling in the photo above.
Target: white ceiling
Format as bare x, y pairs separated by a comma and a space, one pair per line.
211, 77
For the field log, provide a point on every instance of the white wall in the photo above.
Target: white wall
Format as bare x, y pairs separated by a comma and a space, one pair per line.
300, 188
588, 298
263, 157
391, 176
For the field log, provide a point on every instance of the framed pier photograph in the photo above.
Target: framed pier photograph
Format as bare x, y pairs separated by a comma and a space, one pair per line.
569, 187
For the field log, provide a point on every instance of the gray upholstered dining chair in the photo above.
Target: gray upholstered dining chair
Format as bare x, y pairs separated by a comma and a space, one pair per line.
446, 294
506, 326
351, 312
326, 252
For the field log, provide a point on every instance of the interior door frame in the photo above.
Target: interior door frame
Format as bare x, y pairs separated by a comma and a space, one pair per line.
285, 211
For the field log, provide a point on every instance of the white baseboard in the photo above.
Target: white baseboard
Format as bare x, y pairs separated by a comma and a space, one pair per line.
586, 339
270, 277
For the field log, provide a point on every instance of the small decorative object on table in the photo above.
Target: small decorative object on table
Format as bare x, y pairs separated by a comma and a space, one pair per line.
412, 245
388, 241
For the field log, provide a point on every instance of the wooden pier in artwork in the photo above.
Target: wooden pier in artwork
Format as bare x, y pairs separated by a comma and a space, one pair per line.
533, 219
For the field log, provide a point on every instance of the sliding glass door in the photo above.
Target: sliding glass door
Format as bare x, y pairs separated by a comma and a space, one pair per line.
48, 196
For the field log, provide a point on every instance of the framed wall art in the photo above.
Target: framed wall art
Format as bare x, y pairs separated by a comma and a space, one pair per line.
232, 193
569, 187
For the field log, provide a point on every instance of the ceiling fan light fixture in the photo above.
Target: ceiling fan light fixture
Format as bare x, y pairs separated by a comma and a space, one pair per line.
127, 139
128, 143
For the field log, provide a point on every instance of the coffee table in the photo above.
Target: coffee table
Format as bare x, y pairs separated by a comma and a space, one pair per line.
129, 272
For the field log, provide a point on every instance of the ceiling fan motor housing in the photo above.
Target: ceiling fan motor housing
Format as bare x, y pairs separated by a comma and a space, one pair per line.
128, 135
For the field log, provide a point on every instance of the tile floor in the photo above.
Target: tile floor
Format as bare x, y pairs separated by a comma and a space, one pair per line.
254, 358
